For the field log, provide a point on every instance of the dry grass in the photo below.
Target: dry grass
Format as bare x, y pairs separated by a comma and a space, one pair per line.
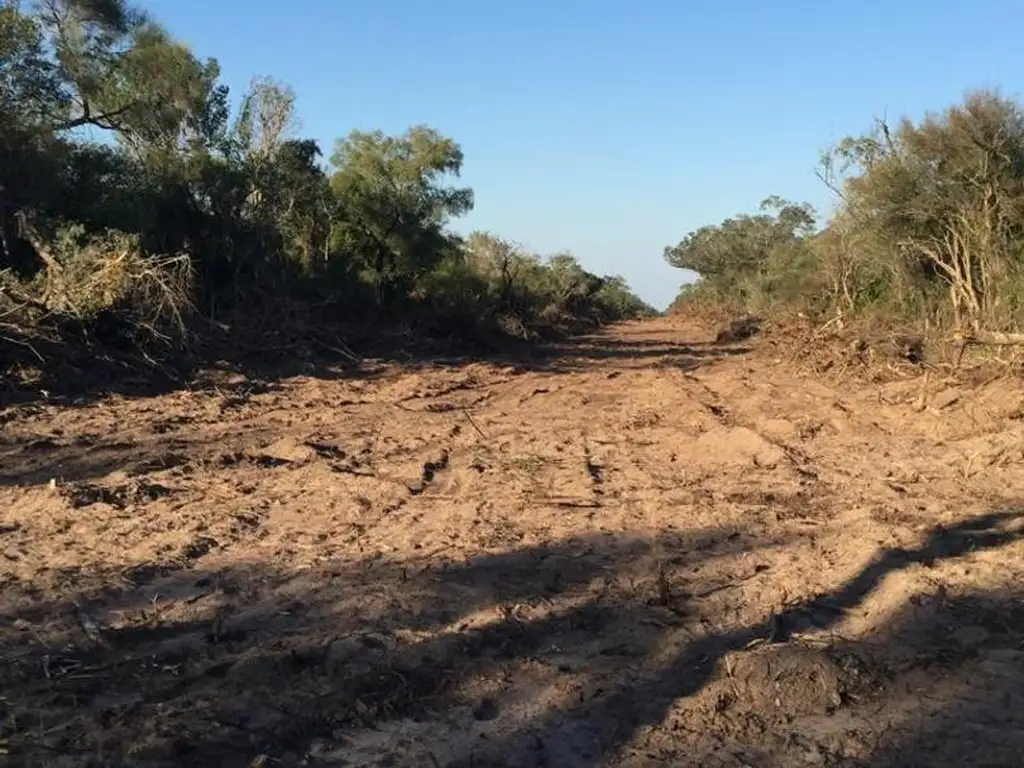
93, 289
111, 273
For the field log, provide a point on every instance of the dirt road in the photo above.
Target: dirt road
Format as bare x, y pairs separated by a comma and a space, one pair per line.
640, 549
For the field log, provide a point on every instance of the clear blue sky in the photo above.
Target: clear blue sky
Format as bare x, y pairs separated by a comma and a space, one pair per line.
612, 128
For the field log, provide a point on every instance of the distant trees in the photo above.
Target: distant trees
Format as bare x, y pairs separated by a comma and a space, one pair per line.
751, 258
555, 292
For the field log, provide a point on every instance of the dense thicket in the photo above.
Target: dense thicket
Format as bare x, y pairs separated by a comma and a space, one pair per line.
131, 196
928, 228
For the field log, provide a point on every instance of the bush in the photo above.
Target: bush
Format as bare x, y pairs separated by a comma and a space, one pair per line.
929, 229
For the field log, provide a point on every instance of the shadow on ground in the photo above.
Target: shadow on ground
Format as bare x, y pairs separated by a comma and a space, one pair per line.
69, 374
596, 651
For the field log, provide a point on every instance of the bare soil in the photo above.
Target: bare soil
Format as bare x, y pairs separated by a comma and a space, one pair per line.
645, 547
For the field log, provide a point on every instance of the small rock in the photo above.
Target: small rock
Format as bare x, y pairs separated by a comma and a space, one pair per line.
813, 756
378, 641
318, 748
187, 646
198, 548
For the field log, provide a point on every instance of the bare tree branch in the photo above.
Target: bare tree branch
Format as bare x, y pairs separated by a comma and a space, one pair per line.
102, 120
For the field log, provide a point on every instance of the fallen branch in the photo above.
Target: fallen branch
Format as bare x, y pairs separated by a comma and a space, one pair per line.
19, 297
25, 344
474, 424
992, 338
342, 349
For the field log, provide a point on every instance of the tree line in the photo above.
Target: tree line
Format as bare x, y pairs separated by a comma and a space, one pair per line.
928, 228
132, 196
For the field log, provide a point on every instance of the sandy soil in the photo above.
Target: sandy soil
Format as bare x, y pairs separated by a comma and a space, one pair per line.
642, 549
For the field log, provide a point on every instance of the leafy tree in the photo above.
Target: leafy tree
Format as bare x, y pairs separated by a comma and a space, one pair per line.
929, 226
119, 71
183, 206
395, 204
748, 256
67, 64
743, 244
499, 261
944, 200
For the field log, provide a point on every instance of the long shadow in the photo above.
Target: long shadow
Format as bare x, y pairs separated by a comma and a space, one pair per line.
335, 675
969, 649
397, 640
646, 702
73, 460
70, 374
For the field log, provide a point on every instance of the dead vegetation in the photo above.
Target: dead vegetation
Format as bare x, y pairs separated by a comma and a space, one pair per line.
97, 298
645, 547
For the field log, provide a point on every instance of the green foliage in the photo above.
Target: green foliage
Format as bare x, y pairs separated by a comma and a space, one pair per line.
929, 226
488, 278
183, 207
395, 204
755, 261
744, 244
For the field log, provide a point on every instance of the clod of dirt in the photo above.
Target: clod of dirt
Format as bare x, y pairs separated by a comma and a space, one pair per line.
787, 681
42, 445
171, 423
327, 450
159, 463
356, 652
736, 446
901, 347
971, 636
196, 549
486, 710
740, 329
120, 496
287, 450
909, 348
430, 470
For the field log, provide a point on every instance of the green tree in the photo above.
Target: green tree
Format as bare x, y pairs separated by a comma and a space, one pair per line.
395, 203
941, 202
68, 64
743, 244
750, 258
182, 204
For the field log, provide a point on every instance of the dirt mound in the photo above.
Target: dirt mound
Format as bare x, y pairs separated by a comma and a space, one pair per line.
781, 683
642, 547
